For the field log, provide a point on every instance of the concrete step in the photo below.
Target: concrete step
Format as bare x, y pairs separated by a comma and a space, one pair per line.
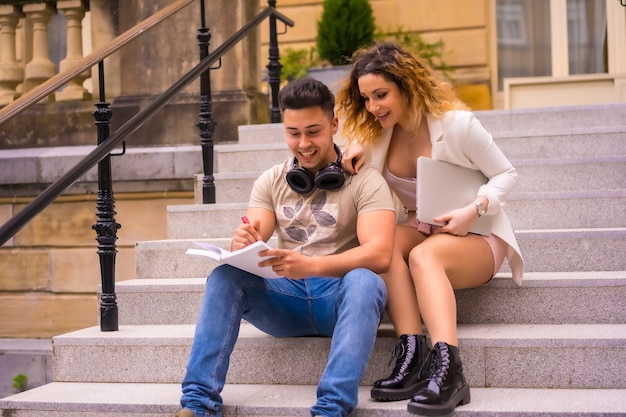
566, 132
539, 173
581, 175
262, 133
572, 250
527, 210
551, 356
522, 133
544, 250
229, 187
29, 357
257, 157
154, 168
567, 210
68, 399
206, 221
167, 259
548, 298
592, 141
553, 119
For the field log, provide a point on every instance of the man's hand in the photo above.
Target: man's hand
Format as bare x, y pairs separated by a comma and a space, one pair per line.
244, 235
289, 263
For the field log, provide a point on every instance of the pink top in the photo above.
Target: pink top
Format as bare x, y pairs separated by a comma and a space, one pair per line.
406, 190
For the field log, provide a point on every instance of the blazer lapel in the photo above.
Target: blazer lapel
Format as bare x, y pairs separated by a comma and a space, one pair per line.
435, 130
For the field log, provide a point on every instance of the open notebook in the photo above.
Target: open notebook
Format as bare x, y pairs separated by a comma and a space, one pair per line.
442, 187
246, 258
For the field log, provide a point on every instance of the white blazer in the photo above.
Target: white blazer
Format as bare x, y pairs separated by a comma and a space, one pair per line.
459, 138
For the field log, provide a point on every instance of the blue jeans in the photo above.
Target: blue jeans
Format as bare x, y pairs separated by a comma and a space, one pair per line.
348, 310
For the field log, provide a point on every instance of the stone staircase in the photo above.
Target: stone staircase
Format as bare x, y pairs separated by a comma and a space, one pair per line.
555, 347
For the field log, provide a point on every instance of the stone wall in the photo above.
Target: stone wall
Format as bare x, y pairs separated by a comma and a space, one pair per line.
49, 271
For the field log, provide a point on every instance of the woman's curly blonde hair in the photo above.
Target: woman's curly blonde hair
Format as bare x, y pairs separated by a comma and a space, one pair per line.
423, 90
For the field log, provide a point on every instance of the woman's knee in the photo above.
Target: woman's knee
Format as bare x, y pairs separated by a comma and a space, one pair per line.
423, 258
415, 255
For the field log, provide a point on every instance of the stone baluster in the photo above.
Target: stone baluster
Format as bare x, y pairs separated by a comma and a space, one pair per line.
11, 71
40, 68
74, 11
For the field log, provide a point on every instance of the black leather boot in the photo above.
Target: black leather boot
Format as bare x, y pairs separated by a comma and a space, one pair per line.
410, 352
444, 386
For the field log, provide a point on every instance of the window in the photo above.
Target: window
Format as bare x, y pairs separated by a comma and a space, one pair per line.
511, 29
525, 44
524, 48
587, 36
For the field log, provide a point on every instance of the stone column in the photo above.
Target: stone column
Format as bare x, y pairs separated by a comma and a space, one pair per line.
11, 71
40, 68
74, 11
104, 28
157, 59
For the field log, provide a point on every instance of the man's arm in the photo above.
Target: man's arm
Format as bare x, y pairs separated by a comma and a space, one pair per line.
375, 231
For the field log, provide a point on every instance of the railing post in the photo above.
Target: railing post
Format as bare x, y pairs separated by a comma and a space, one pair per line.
274, 66
40, 68
206, 124
74, 11
106, 226
11, 71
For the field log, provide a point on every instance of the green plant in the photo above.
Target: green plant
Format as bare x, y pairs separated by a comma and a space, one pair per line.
432, 52
296, 62
20, 382
345, 25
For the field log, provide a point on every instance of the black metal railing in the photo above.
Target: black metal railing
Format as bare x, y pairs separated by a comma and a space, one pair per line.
106, 226
206, 123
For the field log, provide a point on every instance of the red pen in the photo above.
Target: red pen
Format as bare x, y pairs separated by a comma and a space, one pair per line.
245, 220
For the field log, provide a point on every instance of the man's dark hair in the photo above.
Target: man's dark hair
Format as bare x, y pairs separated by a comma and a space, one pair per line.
307, 92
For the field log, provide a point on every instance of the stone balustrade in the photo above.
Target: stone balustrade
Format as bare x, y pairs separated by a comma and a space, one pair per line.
25, 60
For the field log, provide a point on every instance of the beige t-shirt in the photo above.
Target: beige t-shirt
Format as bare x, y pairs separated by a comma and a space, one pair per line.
322, 222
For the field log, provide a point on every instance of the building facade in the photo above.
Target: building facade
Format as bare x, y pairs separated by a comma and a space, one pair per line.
505, 54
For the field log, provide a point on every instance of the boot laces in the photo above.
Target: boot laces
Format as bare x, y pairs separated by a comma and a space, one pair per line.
397, 353
403, 355
439, 359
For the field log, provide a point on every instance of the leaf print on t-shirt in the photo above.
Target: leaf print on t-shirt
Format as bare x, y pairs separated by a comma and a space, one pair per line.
297, 233
323, 218
300, 232
290, 212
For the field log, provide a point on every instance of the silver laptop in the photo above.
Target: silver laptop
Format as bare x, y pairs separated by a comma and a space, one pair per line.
443, 187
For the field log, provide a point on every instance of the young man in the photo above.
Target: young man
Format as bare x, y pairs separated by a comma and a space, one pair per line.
335, 233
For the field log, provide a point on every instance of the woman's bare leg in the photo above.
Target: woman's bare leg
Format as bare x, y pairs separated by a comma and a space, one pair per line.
438, 266
402, 306
411, 348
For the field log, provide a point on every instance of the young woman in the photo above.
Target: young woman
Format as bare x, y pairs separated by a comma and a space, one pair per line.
394, 110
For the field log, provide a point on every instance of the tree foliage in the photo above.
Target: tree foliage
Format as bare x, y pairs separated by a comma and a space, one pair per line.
345, 26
